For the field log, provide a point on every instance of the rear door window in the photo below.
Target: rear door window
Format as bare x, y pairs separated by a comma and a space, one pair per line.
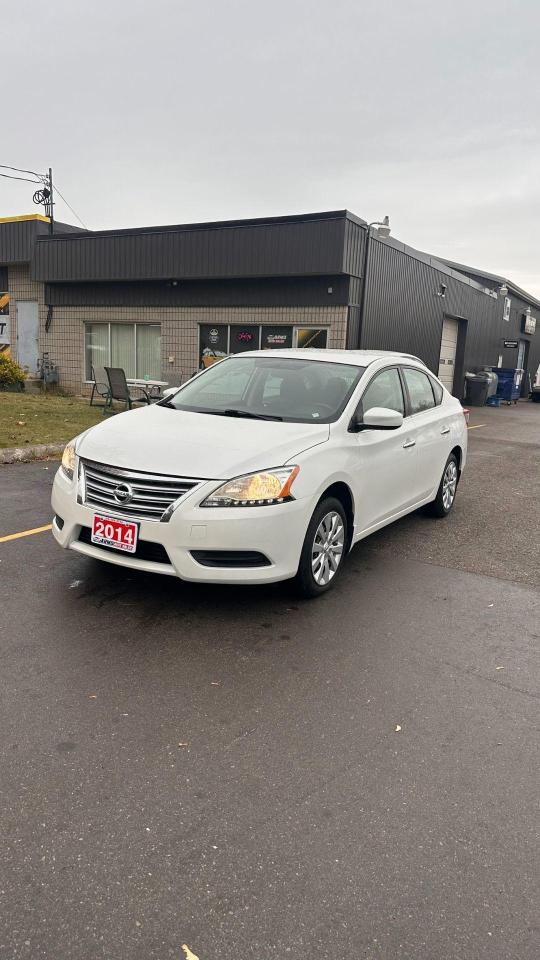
419, 389
437, 390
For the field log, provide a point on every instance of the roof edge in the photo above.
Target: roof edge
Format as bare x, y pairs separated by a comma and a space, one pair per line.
494, 276
209, 225
26, 216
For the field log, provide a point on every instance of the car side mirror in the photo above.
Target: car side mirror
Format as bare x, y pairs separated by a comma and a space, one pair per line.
378, 418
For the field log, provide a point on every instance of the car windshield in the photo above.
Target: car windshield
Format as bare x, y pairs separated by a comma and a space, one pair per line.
270, 388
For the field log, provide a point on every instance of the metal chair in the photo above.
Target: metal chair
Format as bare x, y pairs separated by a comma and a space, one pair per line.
119, 390
100, 386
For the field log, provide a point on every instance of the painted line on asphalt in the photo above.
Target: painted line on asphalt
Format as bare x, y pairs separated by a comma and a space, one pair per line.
25, 533
476, 426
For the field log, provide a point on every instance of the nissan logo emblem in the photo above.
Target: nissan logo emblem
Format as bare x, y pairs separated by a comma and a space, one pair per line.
123, 493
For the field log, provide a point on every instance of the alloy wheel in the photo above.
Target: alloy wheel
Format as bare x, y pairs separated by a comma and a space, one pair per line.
450, 479
328, 546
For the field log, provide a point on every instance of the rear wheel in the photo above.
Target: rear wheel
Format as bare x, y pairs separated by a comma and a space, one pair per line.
323, 550
446, 494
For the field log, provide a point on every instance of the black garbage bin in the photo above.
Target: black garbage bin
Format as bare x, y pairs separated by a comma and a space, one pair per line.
476, 389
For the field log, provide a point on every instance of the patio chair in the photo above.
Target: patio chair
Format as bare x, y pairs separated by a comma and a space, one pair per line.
100, 386
119, 390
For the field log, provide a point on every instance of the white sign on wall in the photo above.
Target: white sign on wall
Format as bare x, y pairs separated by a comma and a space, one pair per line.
529, 325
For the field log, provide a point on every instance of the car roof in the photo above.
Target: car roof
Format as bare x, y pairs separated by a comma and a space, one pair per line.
359, 358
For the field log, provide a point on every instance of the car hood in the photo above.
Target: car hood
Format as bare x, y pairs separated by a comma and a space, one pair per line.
159, 439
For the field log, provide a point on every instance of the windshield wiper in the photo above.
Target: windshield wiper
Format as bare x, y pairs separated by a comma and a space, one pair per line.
167, 403
249, 415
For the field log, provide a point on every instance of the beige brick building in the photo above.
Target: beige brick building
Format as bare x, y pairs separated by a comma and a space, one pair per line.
162, 301
82, 314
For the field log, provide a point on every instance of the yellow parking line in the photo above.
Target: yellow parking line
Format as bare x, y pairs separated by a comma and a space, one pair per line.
26, 533
476, 426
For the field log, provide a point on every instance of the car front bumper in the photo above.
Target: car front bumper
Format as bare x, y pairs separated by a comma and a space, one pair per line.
276, 531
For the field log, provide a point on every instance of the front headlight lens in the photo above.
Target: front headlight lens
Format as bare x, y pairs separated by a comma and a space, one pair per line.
69, 459
255, 489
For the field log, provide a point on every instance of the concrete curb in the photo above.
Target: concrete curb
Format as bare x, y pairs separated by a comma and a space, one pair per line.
38, 451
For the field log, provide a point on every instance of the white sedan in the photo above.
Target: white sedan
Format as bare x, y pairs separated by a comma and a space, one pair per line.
266, 466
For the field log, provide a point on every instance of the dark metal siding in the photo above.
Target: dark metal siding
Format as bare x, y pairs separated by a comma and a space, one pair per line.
404, 312
279, 292
3, 279
354, 246
17, 239
260, 250
353, 326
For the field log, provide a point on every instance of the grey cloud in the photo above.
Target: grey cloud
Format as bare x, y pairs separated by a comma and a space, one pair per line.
189, 110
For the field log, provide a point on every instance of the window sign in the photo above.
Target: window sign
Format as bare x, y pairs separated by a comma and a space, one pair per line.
529, 323
244, 337
214, 343
507, 304
220, 340
311, 337
4, 320
275, 338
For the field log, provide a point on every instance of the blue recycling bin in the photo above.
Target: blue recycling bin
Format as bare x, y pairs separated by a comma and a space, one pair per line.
509, 385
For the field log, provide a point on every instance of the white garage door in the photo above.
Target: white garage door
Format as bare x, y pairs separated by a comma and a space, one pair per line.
448, 352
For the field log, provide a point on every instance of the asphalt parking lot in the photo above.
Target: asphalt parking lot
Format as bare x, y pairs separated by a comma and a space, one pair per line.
352, 778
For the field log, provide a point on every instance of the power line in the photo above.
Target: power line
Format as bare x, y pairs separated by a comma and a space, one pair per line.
41, 178
74, 212
19, 170
10, 176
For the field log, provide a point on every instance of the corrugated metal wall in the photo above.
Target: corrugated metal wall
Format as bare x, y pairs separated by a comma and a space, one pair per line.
17, 239
293, 248
353, 247
405, 312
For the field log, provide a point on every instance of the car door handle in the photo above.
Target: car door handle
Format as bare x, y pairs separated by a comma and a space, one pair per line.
409, 443
445, 430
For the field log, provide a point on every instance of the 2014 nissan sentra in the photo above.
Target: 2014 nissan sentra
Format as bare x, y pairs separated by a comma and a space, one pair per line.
266, 466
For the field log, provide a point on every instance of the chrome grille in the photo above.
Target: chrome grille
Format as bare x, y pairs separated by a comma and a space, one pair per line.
146, 496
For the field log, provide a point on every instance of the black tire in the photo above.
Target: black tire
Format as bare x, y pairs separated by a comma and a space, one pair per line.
305, 580
441, 505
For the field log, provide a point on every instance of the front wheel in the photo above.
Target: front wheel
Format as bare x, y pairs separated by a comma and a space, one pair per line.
324, 546
446, 494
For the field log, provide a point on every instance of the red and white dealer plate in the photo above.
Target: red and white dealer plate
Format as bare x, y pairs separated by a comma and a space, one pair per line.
118, 534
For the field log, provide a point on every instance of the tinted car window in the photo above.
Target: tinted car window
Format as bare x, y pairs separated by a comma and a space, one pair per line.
437, 390
420, 392
271, 387
384, 391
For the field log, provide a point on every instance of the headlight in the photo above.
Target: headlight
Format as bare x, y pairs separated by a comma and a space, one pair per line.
68, 459
255, 489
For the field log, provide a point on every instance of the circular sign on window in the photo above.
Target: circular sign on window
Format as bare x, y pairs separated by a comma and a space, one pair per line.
213, 335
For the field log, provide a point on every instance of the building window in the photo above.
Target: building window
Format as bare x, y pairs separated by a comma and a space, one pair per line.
136, 347
274, 338
219, 340
507, 303
308, 337
243, 337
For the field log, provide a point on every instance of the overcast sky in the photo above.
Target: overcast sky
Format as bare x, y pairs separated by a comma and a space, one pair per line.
173, 111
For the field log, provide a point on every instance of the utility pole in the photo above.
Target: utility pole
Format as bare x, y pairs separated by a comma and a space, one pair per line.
51, 203
45, 198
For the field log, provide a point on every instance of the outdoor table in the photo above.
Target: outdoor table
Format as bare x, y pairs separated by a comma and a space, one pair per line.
150, 388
